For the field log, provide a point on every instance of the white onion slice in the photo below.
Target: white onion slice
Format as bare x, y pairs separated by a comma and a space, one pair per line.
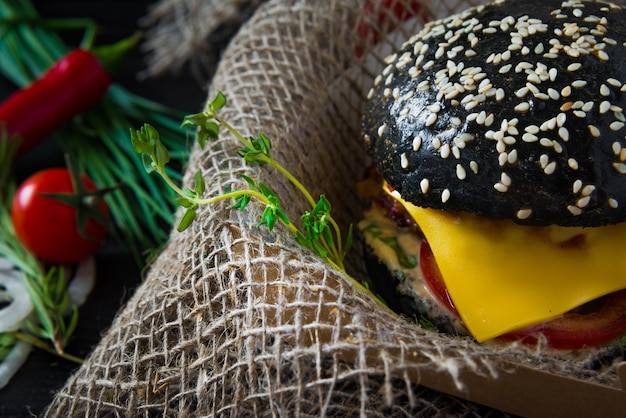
13, 361
20, 305
5, 264
83, 281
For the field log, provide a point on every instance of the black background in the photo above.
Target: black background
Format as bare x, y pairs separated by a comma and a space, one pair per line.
33, 387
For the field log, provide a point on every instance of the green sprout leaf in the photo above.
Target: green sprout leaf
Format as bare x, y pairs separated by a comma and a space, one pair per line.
257, 150
311, 244
250, 181
315, 222
148, 163
200, 184
189, 193
162, 155
147, 142
218, 102
207, 130
186, 202
262, 143
241, 202
187, 219
272, 211
317, 234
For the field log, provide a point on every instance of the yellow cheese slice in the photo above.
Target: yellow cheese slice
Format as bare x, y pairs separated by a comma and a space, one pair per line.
503, 276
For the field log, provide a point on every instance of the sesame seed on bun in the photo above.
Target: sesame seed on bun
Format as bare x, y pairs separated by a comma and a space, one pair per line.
511, 110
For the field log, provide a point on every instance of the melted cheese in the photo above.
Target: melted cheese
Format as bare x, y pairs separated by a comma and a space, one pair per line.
503, 276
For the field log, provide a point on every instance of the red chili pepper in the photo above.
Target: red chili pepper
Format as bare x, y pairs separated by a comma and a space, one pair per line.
72, 85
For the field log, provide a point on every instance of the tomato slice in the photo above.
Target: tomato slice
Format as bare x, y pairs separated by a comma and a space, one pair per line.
433, 278
577, 330
591, 325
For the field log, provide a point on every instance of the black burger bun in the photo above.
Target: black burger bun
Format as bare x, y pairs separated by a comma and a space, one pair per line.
512, 110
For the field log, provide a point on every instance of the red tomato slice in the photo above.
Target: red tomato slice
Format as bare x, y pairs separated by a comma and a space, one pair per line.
577, 330
433, 277
47, 227
594, 324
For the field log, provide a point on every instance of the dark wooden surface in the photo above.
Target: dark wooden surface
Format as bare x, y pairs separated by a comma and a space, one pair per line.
31, 390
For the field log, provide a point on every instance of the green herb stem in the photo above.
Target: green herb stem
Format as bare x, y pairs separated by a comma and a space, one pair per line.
268, 160
36, 342
239, 193
170, 182
235, 194
336, 251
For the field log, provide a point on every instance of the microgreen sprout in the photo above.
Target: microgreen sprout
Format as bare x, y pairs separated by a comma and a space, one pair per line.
319, 232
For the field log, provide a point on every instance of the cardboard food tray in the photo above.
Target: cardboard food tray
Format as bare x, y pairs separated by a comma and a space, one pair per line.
529, 392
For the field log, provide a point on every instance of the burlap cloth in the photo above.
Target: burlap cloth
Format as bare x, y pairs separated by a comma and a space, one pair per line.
233, 320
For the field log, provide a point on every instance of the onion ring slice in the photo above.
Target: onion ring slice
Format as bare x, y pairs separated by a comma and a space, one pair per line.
15, 294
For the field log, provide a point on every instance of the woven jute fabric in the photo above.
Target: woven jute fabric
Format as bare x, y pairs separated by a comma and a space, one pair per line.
234, 320
191, 32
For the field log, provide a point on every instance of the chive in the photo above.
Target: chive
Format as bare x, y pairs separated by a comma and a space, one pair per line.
143, 199
41, 56
138, 169
118, 204
146, 205
17, 72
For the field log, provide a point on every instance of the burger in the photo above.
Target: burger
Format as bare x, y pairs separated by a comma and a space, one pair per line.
498, 181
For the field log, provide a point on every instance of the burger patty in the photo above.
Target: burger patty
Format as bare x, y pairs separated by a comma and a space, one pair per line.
395, 211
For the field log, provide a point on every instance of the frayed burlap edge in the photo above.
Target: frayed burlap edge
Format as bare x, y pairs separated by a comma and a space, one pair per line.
191, 32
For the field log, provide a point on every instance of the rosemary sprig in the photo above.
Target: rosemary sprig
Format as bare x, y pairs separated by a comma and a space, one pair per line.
48, 291
319, 232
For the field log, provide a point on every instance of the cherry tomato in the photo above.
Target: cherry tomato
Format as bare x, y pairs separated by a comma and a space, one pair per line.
594, 324
48, 227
